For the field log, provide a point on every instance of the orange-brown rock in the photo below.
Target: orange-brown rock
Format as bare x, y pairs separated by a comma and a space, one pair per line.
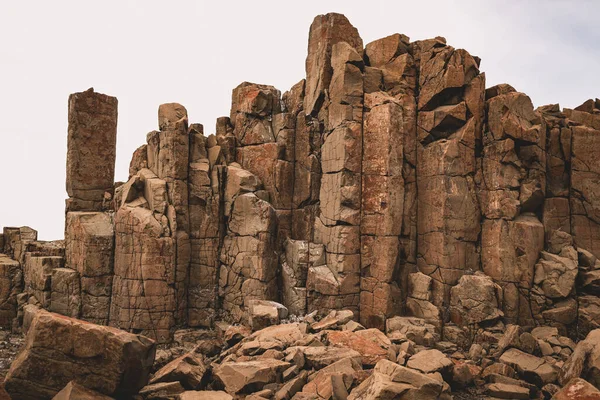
91, 150
59, 350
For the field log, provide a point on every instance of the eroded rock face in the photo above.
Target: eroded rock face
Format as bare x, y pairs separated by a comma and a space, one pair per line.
388, 191
91, 150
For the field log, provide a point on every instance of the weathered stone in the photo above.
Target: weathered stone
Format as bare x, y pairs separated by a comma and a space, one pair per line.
188, 370
430, 361
89, 250
555, 275
372, 344
205, 395
507, 391
143, 295
240, 376
91, 149
59, 349
263, 313
474, 300
325, 31
11, 285
531, 368
329, 380
249, 262
415, 329
577, 389
65, 292
160, 391
74, 391
169, 114
333, 319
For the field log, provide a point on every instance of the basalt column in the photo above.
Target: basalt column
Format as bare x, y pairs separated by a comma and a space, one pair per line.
151, 226
585, 213
91, 150
265, 145
388, 230
89, 232
512, 190
450, 117
205, 226
334, 96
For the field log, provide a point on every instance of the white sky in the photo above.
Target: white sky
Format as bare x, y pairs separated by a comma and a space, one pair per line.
194, 52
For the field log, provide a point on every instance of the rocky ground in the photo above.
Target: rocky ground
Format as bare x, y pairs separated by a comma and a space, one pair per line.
328, 358
10, 345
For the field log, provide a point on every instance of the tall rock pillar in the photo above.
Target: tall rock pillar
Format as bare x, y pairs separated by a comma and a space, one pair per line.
450, 118
89, 232
388, 230
333, 101
91, 150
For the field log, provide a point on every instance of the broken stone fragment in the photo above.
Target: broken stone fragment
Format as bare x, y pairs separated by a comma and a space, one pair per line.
188, 370
430, 361
415, 329
475, 299
263, 313
49, 361
325, 31
372, 344
252, 375
334, 379
531, 368
74, 391
169, 114
161, 390
205, 395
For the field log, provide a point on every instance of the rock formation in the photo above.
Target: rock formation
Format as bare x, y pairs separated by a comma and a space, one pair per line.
389, 191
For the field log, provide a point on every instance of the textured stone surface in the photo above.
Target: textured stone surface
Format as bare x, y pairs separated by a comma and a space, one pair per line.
11, 285
388, 191
60, 349
91, 149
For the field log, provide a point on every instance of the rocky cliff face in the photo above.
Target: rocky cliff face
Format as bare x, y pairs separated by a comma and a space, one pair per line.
389, 182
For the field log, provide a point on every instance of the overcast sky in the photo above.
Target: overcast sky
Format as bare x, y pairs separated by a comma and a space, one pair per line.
194, 52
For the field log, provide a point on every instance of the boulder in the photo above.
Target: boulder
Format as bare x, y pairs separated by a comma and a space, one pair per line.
162, 390
205, 395
292, 386
474, 300
333, 319
238, 377
430, 361
74, 391
263, 313
318, 357
335, 378
169, 114
60, 349
372, 344
531, 368
189, 370
415, 329
379, 386
577, 389
424, 386
506, 391
555, 275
